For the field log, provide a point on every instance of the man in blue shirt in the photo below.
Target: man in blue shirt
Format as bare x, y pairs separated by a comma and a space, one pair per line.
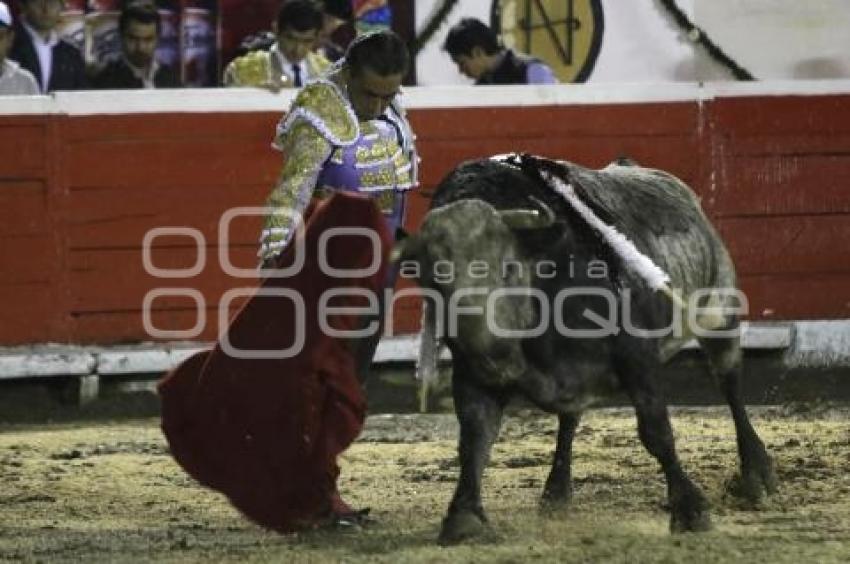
476, 51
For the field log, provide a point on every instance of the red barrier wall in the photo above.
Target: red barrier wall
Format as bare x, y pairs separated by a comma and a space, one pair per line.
79, 193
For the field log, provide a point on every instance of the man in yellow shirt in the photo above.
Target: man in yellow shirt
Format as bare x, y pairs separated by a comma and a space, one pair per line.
291, 61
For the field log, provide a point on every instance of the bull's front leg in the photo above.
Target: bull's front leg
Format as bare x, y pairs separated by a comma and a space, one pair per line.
480, 416
558, 490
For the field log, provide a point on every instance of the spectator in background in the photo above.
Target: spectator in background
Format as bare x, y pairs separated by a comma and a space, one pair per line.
291, 61
476, 51
137, 67
13, 79
336, 14
55, 63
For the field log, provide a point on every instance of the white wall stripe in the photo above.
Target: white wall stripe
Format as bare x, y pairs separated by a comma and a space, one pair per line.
215, 100
830, 339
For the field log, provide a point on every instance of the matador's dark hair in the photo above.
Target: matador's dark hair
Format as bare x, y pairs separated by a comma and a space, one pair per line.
383, 52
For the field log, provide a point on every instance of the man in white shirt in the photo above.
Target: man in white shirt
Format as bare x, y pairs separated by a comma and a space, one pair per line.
291, 61
13, 79
55, 63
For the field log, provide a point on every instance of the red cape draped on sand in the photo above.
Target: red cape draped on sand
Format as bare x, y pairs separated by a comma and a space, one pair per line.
267, 432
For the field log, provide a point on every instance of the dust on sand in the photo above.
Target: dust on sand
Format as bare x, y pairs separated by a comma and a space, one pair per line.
88, 492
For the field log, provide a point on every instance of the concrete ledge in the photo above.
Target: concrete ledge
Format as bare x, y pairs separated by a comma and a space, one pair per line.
69, 360
150, 358
760, 337
404, 348
804, 343
767, 337
820, 344
778, 336
790, 361
41, 363
133, 362
178, 355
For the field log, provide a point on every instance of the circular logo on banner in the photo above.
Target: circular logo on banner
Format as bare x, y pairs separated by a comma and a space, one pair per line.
565, 34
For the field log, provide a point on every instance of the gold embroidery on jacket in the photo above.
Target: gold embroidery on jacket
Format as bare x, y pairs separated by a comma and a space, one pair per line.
305, 152
327, 104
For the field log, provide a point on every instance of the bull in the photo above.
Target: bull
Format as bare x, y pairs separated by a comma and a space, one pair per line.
584, 325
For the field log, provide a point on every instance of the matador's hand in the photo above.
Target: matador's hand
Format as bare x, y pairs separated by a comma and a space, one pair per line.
272, 241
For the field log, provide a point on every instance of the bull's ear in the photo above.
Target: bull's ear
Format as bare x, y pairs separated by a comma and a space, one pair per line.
526, 218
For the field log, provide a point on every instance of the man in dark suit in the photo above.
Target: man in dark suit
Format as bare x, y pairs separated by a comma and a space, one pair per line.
55, 63
137, 67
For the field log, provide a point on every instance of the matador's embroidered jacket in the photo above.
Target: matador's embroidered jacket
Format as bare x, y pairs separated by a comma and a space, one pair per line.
326, 148
264, 69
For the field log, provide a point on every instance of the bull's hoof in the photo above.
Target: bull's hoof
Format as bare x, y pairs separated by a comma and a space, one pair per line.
690, 514
353, 520
461, 526
755, 482
555, 503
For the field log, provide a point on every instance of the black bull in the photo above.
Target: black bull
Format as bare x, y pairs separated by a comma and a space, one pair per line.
497, 223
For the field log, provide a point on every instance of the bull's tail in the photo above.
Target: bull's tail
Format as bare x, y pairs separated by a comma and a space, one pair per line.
429, 353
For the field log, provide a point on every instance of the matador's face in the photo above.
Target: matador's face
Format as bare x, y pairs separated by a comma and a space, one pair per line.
371, 93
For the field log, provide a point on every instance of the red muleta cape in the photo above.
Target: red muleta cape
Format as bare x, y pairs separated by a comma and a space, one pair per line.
267, 432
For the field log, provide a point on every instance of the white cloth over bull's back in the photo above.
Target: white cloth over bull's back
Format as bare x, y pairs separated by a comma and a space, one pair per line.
662, 219
635, 260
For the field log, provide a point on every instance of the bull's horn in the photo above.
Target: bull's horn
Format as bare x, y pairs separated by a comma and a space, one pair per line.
404, 248
398, 250
529, 218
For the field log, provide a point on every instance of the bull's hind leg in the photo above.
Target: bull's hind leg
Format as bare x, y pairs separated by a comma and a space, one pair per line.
758, 476
480, 415
688, 505
558, 490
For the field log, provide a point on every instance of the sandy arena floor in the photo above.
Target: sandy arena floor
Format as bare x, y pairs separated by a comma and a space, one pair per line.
93, 492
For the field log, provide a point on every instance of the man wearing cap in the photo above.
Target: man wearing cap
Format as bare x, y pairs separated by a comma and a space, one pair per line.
14, 80
55, 63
